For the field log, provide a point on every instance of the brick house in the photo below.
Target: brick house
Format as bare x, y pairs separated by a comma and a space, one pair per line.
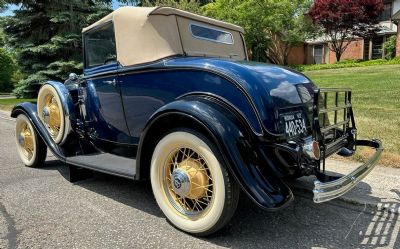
317, 51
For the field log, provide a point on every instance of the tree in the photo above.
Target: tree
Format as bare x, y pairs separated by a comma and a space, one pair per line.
342, 20
272, 27
46, 38
7, 70
181, 4
188, 5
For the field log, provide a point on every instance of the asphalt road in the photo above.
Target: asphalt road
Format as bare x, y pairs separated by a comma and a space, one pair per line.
40, 208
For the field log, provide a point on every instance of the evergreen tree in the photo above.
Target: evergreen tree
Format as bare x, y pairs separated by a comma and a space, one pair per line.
46, 38
7, 70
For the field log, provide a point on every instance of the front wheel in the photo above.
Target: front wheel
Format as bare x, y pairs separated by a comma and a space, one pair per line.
190, 183
30, 146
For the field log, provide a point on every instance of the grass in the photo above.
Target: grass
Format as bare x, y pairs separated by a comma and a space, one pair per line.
376, 104
346, 64
8, 104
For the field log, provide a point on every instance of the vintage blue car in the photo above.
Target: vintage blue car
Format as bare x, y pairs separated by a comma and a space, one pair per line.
171, 96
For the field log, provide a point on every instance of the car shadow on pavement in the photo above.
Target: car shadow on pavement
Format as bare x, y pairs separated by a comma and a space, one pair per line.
303, 224
136, 194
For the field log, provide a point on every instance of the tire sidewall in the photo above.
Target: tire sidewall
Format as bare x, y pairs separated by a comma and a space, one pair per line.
28, 162
43, 92
164, 147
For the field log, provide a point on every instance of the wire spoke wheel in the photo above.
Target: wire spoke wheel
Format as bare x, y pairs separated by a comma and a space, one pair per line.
30, 147
25, 140
51, 112
191, 186
188, 182
52, 115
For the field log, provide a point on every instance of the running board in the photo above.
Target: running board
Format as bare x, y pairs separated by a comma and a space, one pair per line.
106, 163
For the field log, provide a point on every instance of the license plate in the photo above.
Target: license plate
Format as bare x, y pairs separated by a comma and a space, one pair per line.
294, 123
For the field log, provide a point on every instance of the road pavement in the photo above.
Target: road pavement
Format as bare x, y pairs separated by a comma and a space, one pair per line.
40, 208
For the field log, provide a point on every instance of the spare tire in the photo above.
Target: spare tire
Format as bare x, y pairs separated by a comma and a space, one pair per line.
51, 112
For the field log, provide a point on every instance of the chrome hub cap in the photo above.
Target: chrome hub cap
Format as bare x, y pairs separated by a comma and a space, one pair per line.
188, 183
180, 182
46, 114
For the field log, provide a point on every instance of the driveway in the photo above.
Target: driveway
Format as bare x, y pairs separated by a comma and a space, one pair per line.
40, 208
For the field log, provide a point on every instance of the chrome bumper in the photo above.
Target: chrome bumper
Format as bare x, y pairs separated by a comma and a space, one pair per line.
330, 190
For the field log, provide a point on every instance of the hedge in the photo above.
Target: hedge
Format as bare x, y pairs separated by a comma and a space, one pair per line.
346, 64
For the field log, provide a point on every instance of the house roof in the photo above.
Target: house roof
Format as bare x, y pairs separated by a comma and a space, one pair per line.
396, 16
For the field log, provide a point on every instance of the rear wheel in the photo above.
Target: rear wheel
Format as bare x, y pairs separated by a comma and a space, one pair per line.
191, 185
30, 146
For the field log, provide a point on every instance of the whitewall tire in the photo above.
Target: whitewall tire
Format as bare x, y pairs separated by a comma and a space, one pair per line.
190, 184
30, 146
51, 112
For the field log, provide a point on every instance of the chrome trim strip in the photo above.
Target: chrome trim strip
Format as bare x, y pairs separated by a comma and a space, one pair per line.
330, 190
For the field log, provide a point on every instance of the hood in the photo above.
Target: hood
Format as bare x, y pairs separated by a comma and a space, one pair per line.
273, 89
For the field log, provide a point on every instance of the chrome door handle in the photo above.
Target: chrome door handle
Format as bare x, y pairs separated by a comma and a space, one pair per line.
111, 82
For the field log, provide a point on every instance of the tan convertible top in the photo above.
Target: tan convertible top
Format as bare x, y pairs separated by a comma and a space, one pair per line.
148, 34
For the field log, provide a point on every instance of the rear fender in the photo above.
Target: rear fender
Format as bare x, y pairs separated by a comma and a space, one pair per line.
236, 145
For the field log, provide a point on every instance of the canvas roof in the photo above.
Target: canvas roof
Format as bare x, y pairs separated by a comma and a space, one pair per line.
146, 34
144, 13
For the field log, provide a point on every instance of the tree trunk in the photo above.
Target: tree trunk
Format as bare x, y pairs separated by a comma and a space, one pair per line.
338, 56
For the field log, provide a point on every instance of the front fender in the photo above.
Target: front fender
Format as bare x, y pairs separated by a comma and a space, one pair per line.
237, 146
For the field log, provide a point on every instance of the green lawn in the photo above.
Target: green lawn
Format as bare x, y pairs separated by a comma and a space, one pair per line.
376, 102
8, 104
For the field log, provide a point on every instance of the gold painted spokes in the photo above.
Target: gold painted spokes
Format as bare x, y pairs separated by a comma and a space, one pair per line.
52, 115
188, 181
26, 141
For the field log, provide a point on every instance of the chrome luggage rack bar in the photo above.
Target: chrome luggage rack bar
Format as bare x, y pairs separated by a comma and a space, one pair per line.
334, 137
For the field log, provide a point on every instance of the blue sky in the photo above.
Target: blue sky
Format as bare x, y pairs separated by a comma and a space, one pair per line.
9, 11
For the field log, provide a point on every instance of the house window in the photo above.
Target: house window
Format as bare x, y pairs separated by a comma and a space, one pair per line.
387, 12
211, 34
100, 46
377, 48
366, 49
318, 54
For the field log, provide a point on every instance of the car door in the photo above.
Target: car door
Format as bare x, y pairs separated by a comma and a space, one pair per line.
103, 103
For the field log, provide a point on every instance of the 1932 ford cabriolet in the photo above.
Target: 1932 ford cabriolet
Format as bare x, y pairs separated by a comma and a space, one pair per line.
170, 96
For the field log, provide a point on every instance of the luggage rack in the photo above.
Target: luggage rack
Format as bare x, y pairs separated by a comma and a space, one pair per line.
336, 135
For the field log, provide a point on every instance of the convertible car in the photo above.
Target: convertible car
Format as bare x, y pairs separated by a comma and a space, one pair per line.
171, 96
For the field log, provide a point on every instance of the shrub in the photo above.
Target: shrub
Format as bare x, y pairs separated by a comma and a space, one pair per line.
390, 47
346, 64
